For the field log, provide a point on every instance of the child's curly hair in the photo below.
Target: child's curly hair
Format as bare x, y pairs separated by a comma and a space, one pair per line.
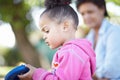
60, 10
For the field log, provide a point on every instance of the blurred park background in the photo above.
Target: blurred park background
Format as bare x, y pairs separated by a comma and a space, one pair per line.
20, 38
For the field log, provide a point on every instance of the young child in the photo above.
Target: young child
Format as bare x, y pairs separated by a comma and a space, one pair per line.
75, 58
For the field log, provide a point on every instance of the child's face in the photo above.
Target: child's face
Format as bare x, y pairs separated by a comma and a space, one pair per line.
52, 32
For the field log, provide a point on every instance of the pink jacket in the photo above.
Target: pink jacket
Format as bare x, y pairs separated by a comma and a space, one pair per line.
75, 60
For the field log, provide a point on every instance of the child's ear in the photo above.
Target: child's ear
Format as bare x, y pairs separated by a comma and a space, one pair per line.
66, 25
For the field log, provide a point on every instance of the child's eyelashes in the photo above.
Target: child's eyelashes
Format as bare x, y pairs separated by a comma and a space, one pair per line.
46, 31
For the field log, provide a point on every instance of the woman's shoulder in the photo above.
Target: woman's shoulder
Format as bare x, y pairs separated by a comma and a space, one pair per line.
114, 28
110, 27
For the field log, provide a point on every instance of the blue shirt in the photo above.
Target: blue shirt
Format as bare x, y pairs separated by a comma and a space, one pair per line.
107, 50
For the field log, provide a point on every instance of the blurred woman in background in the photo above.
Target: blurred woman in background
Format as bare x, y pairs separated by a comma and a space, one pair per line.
104, 37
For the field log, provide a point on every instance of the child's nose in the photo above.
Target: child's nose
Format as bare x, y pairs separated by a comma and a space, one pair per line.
44, 37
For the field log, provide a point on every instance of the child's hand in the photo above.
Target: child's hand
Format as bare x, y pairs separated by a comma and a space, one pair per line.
28, 75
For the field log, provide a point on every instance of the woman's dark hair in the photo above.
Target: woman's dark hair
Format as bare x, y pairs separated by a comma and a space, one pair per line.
60, 10
98, 3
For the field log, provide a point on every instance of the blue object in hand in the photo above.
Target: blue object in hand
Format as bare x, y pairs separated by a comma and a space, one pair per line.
13, 74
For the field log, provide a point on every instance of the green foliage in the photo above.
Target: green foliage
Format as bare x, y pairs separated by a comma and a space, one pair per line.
4, 71
115, 1
41, 3
12, 57
14, 12
35, 2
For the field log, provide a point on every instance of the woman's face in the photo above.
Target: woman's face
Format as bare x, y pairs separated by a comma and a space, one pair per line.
51, 32
92, 14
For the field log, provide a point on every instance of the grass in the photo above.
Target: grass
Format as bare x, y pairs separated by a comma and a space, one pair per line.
4, 70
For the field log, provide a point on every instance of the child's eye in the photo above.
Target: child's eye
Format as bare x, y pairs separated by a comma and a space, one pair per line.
46, 31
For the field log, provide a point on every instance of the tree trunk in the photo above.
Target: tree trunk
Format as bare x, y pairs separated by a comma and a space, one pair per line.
29, 53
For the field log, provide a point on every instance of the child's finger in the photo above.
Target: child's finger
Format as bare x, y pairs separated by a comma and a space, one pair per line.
28, 65
23, 75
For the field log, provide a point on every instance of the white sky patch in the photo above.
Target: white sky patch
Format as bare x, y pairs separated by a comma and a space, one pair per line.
7, 38
36, 12
113, 8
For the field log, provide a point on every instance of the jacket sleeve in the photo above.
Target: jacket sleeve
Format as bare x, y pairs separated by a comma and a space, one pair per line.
41, 74
69, 67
